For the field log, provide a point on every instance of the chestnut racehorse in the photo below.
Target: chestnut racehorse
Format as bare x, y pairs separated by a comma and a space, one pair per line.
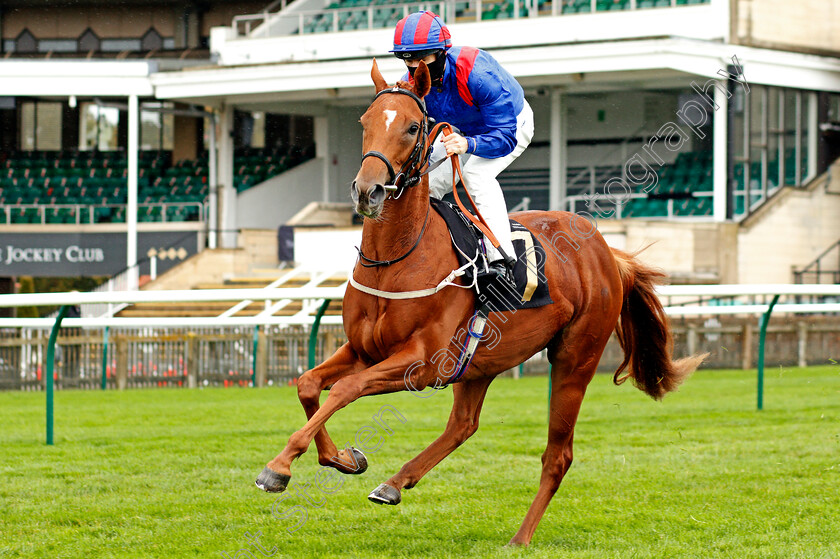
595, 291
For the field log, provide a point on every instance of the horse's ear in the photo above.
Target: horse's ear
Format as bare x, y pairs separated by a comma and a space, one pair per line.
422, 80
376, 76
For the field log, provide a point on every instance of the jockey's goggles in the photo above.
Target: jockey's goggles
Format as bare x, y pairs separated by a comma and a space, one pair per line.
415, 54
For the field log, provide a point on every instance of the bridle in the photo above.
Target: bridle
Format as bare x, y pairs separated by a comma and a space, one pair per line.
410, 173
413, 170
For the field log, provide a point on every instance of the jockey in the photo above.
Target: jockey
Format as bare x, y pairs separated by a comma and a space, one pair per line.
471, 91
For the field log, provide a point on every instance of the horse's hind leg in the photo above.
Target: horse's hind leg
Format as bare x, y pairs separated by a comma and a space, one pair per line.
310, 385
575, 358
467, 398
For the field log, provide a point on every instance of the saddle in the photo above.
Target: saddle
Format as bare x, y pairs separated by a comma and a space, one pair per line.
531, 290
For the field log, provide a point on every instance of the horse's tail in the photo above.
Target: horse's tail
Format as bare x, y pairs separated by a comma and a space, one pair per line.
644, 333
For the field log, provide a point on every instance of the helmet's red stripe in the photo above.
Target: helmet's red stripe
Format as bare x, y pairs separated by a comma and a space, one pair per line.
399, 31
421, 34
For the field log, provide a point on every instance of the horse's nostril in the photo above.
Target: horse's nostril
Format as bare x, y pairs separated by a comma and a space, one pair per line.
377, 195
354, 192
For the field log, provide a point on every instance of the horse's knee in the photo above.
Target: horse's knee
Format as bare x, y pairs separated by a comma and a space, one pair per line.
298, 443
308, 388
464, 431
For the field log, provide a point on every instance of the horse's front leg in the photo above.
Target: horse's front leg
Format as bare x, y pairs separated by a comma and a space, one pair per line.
343, 362
387, 376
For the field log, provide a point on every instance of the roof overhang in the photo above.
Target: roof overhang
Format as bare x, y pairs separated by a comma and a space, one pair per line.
603, 66
53, 78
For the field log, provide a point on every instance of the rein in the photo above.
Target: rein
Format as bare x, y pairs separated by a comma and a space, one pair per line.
409, 176
477, 219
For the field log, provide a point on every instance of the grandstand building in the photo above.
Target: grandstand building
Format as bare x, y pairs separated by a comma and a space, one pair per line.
187, 129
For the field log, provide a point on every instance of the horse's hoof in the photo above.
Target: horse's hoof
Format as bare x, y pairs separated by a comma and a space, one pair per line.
385, 495
272, 482
361, 461
358, 464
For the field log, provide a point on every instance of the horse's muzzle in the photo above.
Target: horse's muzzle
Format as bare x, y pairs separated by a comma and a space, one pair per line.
368, 201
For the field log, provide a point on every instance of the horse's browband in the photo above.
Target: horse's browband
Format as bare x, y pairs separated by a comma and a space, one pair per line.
420, 103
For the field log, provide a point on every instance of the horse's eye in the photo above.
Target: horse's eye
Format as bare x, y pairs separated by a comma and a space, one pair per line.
414, 129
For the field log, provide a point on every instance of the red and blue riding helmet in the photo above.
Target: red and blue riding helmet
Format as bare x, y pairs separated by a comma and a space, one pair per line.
420, 34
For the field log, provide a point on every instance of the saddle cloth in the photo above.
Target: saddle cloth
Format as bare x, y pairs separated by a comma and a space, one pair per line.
529, 271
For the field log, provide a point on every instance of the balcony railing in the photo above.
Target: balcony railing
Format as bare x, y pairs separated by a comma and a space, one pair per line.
349, 15
83, 214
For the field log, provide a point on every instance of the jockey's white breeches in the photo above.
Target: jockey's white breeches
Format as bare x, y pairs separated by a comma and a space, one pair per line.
480, 179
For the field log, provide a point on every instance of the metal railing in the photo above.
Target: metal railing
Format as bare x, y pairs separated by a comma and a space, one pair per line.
266, 24
825, 266
263, 24
183, 370
161, 357
91, 212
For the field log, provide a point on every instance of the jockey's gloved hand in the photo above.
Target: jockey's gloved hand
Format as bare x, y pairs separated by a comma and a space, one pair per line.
503, 270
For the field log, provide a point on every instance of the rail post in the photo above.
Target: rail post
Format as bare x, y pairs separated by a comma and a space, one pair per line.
254, 355
763, 321
62, 312
313, 334
105, 357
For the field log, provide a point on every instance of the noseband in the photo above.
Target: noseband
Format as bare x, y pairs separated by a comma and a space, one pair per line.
409, 174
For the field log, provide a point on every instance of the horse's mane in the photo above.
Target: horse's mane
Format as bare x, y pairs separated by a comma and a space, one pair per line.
404, 85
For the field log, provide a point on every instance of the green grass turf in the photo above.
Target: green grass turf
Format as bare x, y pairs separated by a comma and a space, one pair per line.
169, 473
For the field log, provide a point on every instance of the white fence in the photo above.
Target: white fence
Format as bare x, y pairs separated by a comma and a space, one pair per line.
723, 299
719, 299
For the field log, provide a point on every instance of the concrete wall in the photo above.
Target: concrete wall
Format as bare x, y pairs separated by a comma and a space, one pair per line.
53, 22
256, 254
272, 203
115, 19
209, 266
688, 252
259, 250
790, 231
327, 248
803, 25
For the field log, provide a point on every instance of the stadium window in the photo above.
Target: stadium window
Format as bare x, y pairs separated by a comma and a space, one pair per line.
834, 108
756, 148
258, 131
88, 41
775, 137
57, 45
156, 129
120, 45
40, 126
790, 136
98, 127
808, 167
